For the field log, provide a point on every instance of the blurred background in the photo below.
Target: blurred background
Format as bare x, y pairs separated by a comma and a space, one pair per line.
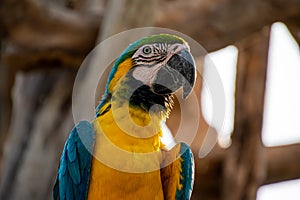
253, 44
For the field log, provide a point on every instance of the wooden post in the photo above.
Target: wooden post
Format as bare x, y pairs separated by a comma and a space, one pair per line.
6, 84
41, 120
244, 168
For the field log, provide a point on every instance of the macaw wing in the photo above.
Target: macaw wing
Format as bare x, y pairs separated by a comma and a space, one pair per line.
178, 177
72, 180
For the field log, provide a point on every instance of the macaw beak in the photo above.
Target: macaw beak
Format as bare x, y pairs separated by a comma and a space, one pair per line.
180, 71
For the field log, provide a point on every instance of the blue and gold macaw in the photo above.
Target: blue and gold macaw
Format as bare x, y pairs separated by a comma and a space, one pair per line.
120, 154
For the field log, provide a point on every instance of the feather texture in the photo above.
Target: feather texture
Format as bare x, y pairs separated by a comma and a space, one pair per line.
186, 173
178, 176
81, 177
74, 170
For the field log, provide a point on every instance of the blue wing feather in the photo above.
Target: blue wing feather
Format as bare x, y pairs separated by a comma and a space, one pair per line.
181, 170
187, 173
69, 192
74, 170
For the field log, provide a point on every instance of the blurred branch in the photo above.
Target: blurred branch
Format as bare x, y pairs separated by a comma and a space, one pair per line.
282, 163
72, 34
122, 15
6, 84
245, 160
208, 177
220, 23
294, 29
41, 120
39, 35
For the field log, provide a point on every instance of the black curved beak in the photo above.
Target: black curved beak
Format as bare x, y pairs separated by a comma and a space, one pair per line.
180, 71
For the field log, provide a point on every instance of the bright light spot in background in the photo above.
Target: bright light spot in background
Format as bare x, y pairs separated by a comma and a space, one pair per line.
225, 62
282, 105
282, 102
285, 190
167, 138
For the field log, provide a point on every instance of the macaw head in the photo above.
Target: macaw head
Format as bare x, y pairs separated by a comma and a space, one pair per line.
159, 64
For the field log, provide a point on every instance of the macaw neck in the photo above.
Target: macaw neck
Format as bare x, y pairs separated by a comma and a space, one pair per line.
134, 113
130, 93
123, 136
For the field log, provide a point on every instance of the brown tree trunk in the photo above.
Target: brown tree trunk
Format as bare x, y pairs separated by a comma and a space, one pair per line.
7, 77
244, 169
40, 122
71, 35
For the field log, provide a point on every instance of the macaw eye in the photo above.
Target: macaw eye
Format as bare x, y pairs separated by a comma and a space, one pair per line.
147, 50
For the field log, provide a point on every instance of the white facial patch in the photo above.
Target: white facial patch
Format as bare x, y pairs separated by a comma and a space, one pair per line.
146, 75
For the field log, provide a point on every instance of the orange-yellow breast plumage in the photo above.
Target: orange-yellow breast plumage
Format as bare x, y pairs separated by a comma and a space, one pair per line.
106, 181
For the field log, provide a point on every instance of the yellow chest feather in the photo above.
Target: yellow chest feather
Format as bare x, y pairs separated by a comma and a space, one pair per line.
126, 163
